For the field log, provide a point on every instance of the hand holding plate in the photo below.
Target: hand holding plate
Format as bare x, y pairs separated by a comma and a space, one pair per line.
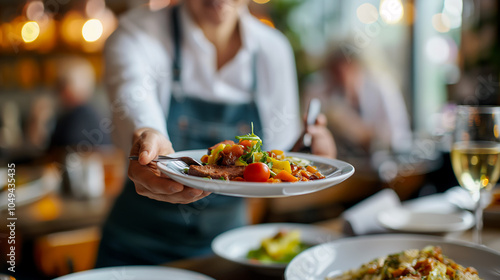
148, 144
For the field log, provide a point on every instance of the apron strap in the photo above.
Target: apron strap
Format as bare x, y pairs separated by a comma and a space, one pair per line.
253, 86
177, 39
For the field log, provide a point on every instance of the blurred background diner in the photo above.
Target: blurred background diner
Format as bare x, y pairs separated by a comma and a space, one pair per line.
389, 74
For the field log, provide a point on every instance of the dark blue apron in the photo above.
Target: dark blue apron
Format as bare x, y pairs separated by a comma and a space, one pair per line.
140, 230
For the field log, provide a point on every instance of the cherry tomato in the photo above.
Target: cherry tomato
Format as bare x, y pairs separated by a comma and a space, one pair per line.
256, 172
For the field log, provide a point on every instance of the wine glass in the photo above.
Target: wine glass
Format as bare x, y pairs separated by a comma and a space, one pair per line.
475, 154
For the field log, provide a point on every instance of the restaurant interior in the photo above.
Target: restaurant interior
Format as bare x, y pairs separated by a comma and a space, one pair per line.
425, 58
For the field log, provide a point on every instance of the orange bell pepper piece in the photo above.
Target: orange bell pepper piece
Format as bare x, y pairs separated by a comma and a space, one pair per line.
286, 177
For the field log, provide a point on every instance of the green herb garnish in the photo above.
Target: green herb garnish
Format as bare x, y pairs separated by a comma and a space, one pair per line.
249, 157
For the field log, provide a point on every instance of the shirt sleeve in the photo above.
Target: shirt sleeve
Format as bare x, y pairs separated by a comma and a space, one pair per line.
279, 104
132, 89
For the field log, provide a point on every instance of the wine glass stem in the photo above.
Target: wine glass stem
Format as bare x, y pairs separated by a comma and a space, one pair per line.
478, 213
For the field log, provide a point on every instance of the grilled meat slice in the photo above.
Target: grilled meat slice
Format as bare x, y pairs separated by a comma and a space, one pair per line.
217, 171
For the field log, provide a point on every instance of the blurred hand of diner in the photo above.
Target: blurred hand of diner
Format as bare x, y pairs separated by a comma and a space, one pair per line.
322, 141
148, 143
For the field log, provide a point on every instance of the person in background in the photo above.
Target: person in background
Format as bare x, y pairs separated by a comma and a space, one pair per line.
78, 120
188, 77
365, 109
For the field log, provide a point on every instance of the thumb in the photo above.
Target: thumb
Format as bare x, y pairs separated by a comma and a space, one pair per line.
148, 148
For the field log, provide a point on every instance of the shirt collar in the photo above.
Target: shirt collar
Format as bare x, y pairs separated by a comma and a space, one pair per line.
192, 32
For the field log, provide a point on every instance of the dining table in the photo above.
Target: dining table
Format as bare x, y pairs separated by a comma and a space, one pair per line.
222, 269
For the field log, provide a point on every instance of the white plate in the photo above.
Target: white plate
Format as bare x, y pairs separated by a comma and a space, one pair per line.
331, 259
335, 172
234, 245
407, 220
136, 272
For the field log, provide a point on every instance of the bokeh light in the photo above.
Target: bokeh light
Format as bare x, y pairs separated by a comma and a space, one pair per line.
34, 10
367, 13
92, 30
453, 10
441, 22
30, 31
437, 49
391, 11
71, 28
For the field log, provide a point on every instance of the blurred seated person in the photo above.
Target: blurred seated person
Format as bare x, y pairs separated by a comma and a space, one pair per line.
78, 123
366, 111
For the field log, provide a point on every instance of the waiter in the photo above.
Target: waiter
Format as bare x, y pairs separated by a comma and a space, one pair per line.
184, 78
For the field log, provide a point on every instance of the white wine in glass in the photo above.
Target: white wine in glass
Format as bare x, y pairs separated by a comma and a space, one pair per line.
475, 154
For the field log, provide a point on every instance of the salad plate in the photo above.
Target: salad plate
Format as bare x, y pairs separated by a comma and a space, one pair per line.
136, 272
333, 258
335, 172
234, 245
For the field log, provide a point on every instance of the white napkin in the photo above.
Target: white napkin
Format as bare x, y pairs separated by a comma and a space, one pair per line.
461, 198
362, 217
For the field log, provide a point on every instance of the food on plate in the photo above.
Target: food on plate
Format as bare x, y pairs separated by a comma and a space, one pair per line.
280, 248
426, 264
246, 161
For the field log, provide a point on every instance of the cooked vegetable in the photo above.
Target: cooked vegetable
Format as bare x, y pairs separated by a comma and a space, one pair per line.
280, 248
286, 177
259, 165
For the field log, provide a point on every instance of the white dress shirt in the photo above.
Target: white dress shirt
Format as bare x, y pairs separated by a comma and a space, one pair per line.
138, 59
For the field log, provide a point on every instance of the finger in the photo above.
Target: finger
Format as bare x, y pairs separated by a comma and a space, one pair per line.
148, 147
183, 197
193, 192
144, 176
321, 120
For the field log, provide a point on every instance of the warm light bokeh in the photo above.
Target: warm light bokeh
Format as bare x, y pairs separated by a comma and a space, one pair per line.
30, 31
92, 30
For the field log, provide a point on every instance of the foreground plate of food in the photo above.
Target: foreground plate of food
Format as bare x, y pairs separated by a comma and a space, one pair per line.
335, 172
343, 259
136, 272
268, 248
